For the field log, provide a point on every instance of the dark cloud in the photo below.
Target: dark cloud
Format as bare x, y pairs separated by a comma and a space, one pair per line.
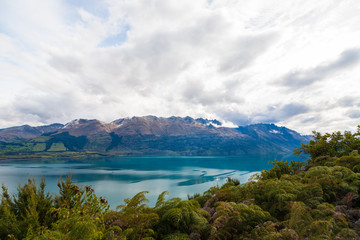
348, 101
272, 114
311, 120
353, 113
292, 109
303, 78
235, 117
244, 51
280, 113
45, 108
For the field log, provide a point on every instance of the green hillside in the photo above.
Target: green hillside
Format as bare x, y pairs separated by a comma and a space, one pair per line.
60, 145
149, 136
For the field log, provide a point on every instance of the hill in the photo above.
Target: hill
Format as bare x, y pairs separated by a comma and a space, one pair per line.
20, 133
151, 135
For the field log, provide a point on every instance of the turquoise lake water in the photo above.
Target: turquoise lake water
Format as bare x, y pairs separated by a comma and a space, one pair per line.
117, 178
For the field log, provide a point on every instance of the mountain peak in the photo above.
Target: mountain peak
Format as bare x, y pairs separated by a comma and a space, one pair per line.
160, 135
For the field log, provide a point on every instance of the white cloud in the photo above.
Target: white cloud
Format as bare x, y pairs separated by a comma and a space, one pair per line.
213, 59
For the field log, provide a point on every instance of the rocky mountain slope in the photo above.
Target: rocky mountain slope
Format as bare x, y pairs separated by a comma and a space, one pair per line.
19, 133
151, 135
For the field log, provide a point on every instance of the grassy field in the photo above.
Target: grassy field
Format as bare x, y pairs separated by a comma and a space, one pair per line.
37, 149
57, 147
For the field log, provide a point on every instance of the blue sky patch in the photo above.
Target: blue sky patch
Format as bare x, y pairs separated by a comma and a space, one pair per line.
95, 7
117, 39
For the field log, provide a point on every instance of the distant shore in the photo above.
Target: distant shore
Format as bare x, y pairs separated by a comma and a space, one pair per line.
50, 155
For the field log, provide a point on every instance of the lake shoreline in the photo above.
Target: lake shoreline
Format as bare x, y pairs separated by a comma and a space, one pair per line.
55, 155
86, 155
120, 177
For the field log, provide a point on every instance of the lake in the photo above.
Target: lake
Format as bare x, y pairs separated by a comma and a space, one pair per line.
117, 178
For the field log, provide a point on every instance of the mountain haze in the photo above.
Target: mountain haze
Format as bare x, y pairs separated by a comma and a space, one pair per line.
151, 135
23, 132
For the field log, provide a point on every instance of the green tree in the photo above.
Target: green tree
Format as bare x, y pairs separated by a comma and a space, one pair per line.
335, 182
280, 168
180, 216
331, 144
233, 219
135, 218
27, 211
82, 220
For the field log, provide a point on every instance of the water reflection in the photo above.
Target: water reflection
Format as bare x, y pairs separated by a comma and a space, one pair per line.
117, 178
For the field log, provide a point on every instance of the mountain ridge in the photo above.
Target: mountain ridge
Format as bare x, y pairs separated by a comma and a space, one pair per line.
149, 135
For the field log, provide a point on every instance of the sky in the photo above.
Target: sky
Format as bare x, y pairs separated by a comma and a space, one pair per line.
293, 63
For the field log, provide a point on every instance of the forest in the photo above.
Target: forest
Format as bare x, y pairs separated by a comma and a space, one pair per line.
316, 199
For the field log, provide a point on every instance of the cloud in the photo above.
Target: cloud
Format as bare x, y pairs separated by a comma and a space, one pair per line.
274, 114
116, 39
210, 59
348, 101
67, 63
245, 50
292, 109
235, 117
45, 107
311, 120
303, 78
196, 91
353, 113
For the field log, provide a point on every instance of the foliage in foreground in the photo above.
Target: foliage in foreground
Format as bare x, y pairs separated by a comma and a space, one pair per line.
317, 199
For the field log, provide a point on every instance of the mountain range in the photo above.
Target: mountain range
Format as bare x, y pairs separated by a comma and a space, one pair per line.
150, 135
